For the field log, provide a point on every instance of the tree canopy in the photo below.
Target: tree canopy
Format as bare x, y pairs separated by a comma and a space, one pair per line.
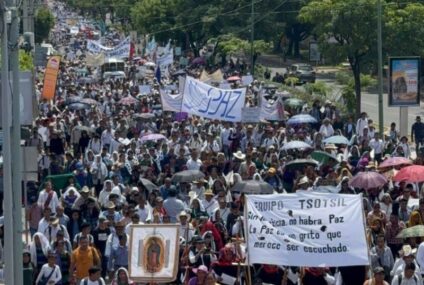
43, 22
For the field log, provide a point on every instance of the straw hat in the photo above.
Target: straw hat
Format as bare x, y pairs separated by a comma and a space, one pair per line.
239, 155
303, 180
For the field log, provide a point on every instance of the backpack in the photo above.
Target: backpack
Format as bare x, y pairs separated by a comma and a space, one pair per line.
400, 279
85, 282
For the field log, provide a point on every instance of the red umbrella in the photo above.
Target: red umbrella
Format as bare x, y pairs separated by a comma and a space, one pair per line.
129, 100
413, 173
368, 180
395, 161
233, 78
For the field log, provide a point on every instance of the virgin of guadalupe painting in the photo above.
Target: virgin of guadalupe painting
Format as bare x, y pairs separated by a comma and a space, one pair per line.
154, 255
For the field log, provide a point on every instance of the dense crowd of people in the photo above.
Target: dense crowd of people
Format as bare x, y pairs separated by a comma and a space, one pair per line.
101, 171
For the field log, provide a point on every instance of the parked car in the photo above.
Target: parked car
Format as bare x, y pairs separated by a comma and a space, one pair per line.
304, 72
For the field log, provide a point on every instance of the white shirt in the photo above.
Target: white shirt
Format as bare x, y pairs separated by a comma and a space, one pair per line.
360, 126
405, 281
89, 282
377, 145
51, 232
46, 270
326, 131
225, 134
54, 201
43, 224
211, 206
193, 164
420, 257
144, 214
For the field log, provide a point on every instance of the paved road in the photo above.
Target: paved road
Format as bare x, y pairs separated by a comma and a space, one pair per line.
369, 99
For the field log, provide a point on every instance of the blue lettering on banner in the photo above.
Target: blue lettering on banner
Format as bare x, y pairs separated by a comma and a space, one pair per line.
204, 100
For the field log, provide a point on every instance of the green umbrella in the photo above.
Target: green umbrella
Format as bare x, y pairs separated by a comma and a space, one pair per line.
324, 158
299, 164
415, 231
59, 182
294, 102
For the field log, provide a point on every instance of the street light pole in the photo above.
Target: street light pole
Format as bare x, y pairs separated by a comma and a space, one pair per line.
252, 37
380, 69
6, 150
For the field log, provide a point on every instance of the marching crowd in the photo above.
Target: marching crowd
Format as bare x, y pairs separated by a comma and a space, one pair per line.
118, 163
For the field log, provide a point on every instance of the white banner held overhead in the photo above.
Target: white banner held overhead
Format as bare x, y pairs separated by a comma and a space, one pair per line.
272, 111
171, 102
209, 102
250, 115
121, 50
306, 229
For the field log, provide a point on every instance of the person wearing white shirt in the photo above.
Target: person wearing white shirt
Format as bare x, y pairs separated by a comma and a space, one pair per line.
401, 263
48, 198
50, 271
196, 142
326, 129
95, 145
210, 144
107, 136
420, 257
361, 124
51, 231
225, 138
210, 204
194, 163
223, 209
143, 209
377, 145
409, 276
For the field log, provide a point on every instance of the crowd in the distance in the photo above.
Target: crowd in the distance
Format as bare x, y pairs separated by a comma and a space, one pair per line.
100, 173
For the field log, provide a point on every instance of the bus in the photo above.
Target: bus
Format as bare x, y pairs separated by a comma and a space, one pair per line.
113, 68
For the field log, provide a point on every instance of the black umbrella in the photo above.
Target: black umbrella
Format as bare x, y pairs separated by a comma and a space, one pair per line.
187, 176
253, 187
301, 163
149, 185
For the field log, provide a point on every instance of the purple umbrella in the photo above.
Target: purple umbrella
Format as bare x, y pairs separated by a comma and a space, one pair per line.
395, 161
152, 137
368, 180
198, 60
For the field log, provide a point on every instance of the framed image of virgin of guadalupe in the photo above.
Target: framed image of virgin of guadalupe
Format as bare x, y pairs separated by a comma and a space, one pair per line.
153, 253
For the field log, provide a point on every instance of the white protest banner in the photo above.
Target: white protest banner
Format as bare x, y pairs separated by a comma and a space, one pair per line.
121, 51
165, 60
272, 111
306, 229
225, 85
171, 102
209, 102
246, 79
144, 89
250, 115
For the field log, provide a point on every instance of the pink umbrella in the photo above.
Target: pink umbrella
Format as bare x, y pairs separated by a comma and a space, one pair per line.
234, 78
395, 161
368, 180
413, 173
152, 137
129, 100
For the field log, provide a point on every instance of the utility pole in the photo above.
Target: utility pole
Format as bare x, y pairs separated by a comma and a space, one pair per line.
380, 70
252, 37
7, 162
16, 145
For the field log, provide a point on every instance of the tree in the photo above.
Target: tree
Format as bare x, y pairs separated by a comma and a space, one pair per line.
344, 30
232, 45
403, 33
43, 23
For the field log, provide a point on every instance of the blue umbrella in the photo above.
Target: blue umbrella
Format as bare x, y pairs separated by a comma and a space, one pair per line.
78, 106
337, 140
301, 119
295, 145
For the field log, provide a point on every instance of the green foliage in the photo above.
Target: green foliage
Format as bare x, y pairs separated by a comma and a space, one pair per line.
232, 45
346, 78
25, 61
291, 81
319, 88
403, 30
43, 23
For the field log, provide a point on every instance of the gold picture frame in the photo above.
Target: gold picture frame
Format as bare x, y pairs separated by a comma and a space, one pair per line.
153, 253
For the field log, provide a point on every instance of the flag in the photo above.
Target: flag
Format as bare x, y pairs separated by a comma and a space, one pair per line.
158, 74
